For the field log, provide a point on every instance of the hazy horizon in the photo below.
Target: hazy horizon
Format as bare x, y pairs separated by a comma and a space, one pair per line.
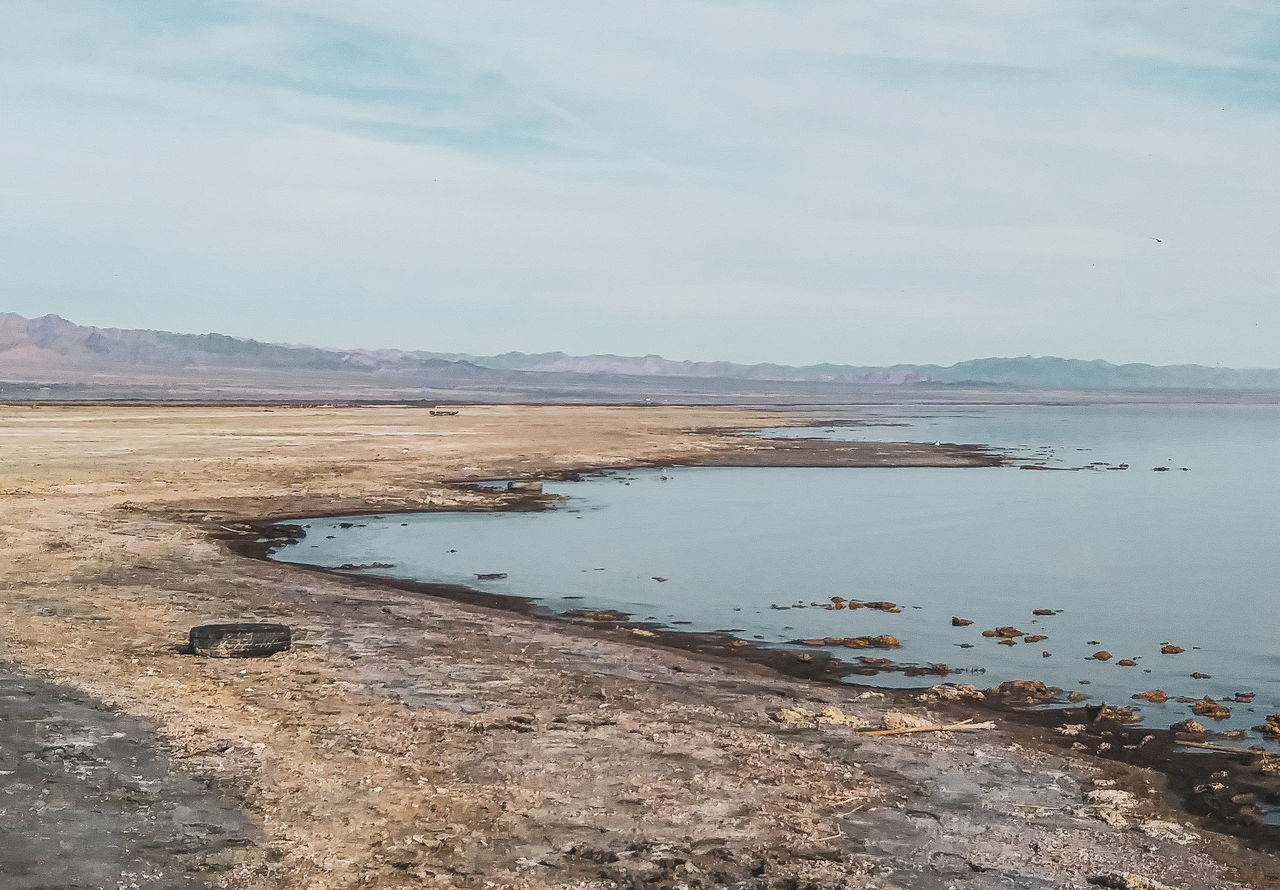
653, 355
878, 184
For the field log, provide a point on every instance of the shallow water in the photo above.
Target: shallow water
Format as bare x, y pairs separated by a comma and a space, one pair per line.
1134, 558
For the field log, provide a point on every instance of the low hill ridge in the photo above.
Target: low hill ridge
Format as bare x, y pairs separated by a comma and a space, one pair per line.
51, 344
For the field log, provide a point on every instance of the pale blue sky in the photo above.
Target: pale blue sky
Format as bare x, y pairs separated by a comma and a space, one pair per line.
797, 181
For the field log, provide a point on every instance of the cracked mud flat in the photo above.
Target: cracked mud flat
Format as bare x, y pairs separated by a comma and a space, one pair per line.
410, 741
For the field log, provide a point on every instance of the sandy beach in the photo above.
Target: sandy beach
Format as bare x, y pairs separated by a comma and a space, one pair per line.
408, 740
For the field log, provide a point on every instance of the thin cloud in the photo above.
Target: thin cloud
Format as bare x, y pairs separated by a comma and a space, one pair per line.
865, 183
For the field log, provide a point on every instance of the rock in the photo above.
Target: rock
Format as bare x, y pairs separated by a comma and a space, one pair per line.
1046, 654
884, 606
1023, 692
1044, 612
1208, 707
1111, 796
1101, 655
1158, 696
902, 720
833, 716
955, 692
1189, 727
1008, 642
1034, 638
1117, 713
828, 716
883, 641
1008, 632
1167, 831
1170, 649
1199, 676
961, 622
794, 717
837, 602
1271, 727
1077, 697
1244, 698
1127, 662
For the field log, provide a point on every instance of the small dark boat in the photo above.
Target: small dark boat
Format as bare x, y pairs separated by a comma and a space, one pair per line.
435, 413
491, 576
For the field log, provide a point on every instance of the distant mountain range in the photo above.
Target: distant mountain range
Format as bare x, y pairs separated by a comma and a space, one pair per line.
1028, 371
51, 348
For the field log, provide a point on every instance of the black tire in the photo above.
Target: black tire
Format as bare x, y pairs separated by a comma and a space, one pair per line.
239, 640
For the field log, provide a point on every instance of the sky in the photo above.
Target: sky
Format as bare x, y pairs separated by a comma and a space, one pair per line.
767, 180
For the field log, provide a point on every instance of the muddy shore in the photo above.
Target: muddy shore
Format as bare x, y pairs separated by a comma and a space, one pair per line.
409, 740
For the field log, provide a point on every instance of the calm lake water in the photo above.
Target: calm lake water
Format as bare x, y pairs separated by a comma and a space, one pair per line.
1133, 558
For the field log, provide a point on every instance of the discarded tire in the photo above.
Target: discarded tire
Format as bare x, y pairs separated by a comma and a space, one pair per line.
239, 640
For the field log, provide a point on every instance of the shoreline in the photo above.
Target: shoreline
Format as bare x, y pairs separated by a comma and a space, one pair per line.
412, 741
1230, 808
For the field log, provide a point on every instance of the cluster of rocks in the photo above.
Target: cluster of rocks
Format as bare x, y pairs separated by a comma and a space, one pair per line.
880, 641
839, 602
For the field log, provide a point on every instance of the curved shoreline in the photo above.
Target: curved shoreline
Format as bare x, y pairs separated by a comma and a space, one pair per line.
413, 741
1190, 771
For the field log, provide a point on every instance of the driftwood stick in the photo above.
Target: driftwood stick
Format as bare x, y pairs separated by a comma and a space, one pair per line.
1209, 746
936, 727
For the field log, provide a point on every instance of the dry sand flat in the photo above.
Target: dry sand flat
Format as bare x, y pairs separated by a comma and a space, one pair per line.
408, 741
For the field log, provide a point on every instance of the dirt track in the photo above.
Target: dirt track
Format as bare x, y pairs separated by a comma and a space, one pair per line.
409, 741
